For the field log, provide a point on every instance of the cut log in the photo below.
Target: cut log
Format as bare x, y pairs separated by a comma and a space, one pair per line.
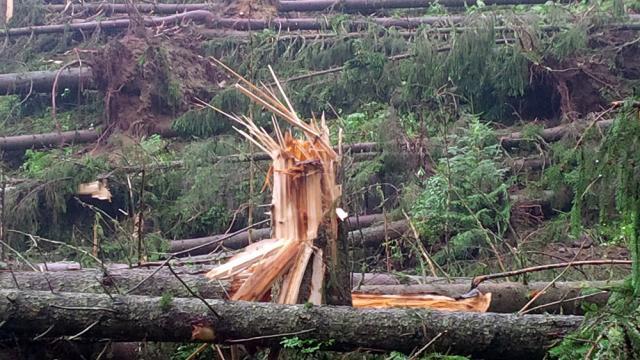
376, 5
27, 314
42, 81
507, 297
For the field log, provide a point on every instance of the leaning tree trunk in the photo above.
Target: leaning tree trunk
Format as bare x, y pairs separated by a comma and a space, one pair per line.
27, 314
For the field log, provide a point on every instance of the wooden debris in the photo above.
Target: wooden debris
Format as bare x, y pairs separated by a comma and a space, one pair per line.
305, 194
479, 303
97, 190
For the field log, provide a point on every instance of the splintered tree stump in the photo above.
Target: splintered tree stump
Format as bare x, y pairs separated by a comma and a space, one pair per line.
306, 242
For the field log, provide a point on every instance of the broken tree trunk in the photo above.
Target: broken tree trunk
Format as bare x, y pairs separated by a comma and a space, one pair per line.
42, 81
510, 297
376, 5
307, 242
27, 314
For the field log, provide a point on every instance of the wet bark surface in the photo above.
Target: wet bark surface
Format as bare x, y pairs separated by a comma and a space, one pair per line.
26, 314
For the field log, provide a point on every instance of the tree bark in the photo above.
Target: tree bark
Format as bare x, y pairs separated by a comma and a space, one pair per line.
27, 314
42, 81
506, 297
376, 5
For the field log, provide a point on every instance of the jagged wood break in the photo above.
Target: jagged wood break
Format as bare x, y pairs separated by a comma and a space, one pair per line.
304, 219
305, 229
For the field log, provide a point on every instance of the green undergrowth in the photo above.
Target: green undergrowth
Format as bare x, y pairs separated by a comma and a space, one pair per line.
465, 205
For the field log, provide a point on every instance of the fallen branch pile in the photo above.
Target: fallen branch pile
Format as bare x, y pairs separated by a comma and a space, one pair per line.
376, 5
27, 314
212, 21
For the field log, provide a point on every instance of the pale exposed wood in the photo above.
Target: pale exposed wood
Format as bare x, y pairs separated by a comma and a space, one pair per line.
304, 197
96, 189
478, 303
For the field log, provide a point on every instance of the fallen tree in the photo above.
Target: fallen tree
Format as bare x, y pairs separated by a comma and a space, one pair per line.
42, 81
552, 134
28, 314
213, 21
375, 5
510, 297
39, 141
368, 237
507, 297
241, 240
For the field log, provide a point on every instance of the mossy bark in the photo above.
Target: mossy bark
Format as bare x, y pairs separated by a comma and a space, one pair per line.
26, 314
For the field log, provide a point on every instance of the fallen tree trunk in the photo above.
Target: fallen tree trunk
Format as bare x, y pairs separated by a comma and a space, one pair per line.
115, 281
125, 8
507, 297
27, 314
211, 20
42, 81
510, 297
39, 141
375, 5
370, 237
553, 134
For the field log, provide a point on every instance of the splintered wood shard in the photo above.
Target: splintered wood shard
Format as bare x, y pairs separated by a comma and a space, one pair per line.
304, 200
479, 303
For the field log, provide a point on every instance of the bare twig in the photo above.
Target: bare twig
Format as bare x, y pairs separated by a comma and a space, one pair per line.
482, 278
19, 255
426, 346
270, 336
544, 290
85, 330
193, 292
557, 302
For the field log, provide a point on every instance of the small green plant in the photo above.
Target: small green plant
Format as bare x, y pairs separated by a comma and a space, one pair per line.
307, 348
466, 203
165, 301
